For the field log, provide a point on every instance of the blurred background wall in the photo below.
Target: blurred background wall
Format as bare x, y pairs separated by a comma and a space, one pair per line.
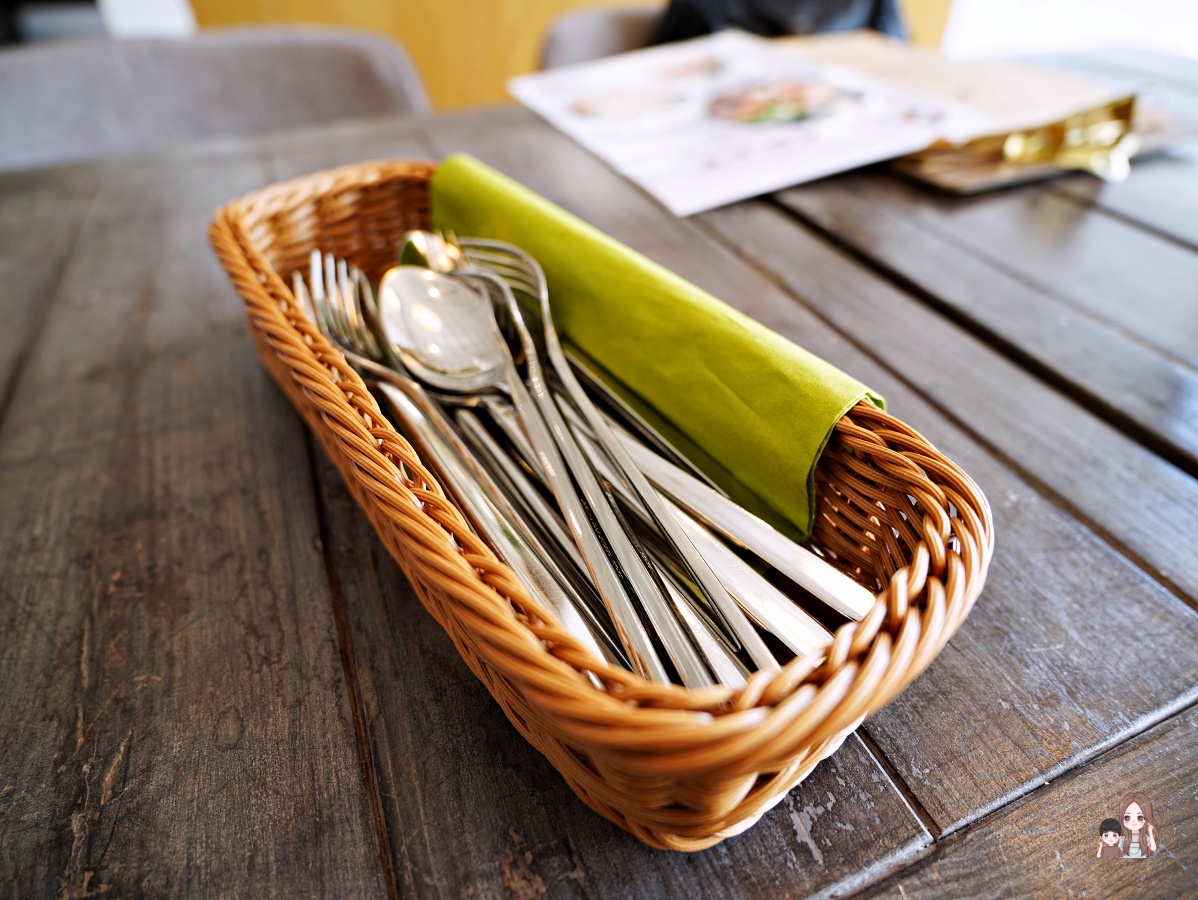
467, 50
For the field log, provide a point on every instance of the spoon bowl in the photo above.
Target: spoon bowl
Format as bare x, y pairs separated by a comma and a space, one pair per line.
443, 329
445, 332
523, 272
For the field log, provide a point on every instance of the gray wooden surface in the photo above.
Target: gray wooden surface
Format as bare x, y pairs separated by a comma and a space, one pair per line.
175, 714
217, 683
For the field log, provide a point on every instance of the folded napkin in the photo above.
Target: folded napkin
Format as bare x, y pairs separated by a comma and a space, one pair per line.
759, 405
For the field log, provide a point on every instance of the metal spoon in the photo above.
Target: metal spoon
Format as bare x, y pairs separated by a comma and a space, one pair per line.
760, 600
446, 333
425, 424
522, 269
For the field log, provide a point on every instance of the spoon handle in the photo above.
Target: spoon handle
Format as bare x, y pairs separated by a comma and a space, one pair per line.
630, 419
544, 438
760, 600
763, 603
548, 434
511, 541
725, 608
744, 529
523, 270
541, 516
737, 627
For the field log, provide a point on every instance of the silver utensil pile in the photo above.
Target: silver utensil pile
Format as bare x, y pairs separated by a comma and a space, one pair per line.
644, 561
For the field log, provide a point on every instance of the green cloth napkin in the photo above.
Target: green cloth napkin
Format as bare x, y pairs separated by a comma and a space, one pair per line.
758, 404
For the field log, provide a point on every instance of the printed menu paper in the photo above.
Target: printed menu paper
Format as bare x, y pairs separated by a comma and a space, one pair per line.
707, 122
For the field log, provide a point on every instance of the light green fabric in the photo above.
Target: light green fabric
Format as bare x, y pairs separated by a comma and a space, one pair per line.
758, 404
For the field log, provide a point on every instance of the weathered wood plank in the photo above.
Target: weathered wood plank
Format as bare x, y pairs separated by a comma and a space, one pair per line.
175, 716
312, 149
1046, 844
473, 810
1161, 194
1105, 268
1039, 633
40, 214
181, 718
1109, 371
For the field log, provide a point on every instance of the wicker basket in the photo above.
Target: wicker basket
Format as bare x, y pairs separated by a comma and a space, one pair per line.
679, 768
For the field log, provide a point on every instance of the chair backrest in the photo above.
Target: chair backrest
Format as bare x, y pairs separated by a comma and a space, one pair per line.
587, 34
84, 99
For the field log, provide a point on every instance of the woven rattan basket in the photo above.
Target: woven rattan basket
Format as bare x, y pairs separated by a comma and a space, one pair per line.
679, 768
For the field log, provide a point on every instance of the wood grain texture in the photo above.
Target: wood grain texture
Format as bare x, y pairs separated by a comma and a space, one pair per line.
39, 218
1107, 269
182, 719
308, 150
1162, 193
473, 810
1043, 625
1096, 361
1045, 845
175, 717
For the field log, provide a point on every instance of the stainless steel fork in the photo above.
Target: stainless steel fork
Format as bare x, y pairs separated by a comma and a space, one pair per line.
523, 272
824, 582
332, 305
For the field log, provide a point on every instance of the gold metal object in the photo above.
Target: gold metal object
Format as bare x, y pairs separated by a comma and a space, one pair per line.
1097, 140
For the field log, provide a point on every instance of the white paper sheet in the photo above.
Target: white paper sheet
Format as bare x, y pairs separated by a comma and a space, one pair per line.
717, 119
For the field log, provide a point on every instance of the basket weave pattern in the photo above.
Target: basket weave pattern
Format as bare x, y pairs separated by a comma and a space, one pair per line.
679, 768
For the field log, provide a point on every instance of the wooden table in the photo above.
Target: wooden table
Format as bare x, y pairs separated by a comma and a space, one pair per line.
215, 681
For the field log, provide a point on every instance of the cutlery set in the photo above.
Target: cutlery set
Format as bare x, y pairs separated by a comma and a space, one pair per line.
645, 562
